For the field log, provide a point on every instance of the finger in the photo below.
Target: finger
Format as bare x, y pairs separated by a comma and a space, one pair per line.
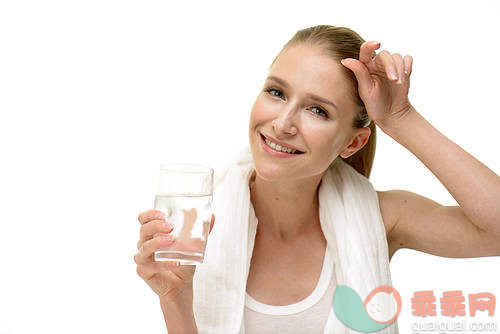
366, 51
386, 63
150, 228
145, 254
149, 215
212, 223
408, 62
146, 251
360, 71
398, 61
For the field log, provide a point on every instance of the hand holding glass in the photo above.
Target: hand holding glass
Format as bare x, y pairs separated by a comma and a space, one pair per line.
185, 196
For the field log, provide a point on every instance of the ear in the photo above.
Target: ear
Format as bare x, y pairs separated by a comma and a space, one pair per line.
358, 140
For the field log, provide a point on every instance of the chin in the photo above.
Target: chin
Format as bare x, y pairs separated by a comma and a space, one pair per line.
271, 172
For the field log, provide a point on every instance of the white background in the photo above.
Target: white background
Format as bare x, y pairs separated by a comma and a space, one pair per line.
94, 95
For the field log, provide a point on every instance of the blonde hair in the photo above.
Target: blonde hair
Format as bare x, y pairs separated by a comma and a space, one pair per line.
340, 43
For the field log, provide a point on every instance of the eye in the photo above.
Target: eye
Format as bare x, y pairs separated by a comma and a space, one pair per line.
321, 112
272, 89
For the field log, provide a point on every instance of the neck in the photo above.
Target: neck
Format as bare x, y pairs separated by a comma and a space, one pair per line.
286, 210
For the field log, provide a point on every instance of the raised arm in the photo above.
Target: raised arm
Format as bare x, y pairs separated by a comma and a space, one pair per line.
471, 229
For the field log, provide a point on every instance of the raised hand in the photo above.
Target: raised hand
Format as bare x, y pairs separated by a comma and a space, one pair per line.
383, 83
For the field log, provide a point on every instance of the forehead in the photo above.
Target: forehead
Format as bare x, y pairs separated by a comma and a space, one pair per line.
307, 67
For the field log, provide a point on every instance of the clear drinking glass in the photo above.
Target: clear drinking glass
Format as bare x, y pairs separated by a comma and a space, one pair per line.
185, 196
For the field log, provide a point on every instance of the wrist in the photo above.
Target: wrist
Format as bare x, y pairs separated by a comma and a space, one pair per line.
179, 313
397, 121
178, 309
183, 299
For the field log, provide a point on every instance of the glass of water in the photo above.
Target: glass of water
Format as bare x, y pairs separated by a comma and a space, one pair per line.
185, 196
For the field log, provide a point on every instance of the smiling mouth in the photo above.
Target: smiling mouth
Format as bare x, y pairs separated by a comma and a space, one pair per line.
264, 139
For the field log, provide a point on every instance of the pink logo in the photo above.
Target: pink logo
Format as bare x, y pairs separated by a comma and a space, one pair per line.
383, 295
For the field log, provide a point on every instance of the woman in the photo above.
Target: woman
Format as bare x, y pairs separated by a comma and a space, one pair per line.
325, 109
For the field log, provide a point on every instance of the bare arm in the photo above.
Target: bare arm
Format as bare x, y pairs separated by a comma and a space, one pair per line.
474, 186
471, 229
427, 226
468, 230
179, 315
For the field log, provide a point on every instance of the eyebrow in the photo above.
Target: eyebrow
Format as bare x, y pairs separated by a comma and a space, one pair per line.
312, 96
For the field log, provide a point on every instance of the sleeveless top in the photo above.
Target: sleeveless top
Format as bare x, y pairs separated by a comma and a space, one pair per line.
306, 316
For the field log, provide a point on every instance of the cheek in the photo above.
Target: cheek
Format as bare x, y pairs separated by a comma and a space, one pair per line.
327, 144
322, 136
260, 113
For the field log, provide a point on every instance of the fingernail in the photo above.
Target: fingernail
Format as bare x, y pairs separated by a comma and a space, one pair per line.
159, 215
168, 238
342, 61
167, 225
394, 75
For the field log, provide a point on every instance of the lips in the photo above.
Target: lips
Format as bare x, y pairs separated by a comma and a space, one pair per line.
281, 143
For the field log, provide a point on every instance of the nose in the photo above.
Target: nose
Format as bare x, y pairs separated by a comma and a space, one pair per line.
284, 123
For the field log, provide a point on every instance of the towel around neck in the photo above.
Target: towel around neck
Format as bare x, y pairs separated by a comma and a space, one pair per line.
351, 222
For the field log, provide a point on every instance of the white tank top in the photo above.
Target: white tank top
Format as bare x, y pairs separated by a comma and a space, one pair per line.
306, 316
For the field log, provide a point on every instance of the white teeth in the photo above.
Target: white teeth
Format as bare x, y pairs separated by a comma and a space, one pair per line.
280, 148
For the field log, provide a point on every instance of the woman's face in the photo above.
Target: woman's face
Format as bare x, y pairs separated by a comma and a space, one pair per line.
285, 111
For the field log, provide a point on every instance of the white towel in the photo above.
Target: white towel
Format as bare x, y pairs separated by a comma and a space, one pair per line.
351, 222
